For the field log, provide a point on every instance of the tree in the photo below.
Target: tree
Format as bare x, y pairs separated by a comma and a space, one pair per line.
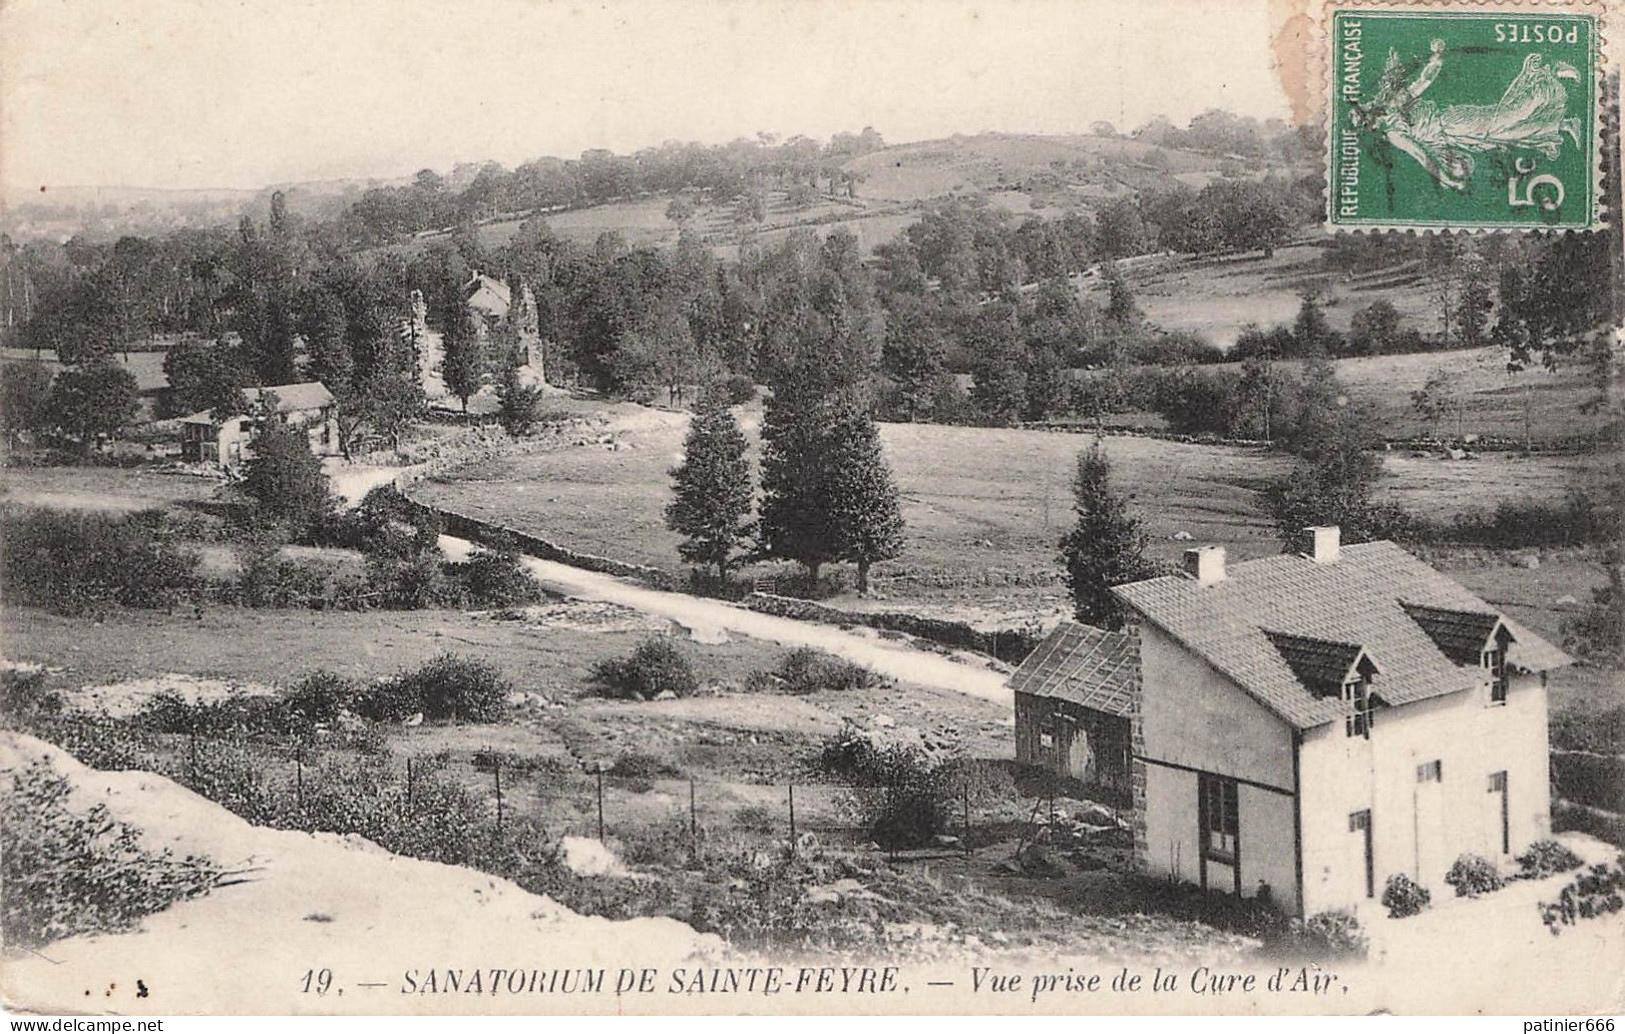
712, 491
1436, 397
863, 500
797, 522
1475, 300
516, 400
1374, 330
98, 398
463, 367
25, 397
1122, 311
1312, 334
283, 476
681, 210
203, 375
1105, 548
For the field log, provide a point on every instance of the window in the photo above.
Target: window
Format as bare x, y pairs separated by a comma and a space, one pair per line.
1431, 772
1357, 696
1221, 821
1495, 662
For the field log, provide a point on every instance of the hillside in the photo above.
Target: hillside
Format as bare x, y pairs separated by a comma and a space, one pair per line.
1021, 173
335, 903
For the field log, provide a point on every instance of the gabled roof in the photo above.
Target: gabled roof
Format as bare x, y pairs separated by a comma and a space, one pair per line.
1359, 599
1084, 665
488, 295
1460, 634
1321, 665
290, 398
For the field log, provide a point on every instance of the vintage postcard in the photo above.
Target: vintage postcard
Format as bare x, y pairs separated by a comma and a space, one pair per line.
1036, 507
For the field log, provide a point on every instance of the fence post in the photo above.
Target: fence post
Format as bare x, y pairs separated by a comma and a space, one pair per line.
792, 818
693, 823
600, 770
299, 777
965, 801
192, 755
498, 773
409, 786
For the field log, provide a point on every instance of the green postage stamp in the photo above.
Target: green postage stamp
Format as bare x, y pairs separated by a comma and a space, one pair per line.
1465, 119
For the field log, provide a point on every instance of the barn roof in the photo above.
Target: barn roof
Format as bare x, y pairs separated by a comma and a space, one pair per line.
1374, 596
290, 398
1084, 665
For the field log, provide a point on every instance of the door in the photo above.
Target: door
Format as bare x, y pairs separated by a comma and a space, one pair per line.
1219, 822
1361, 857
1432, 850
1500, 838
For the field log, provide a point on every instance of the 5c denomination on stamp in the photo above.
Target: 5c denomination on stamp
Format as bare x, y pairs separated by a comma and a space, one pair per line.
1462, 119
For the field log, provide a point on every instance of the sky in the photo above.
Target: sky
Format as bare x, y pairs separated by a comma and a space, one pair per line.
248, 93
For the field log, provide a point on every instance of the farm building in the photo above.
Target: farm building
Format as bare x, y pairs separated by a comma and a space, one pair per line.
1074, 699
205, 439
1307, 725
494, 307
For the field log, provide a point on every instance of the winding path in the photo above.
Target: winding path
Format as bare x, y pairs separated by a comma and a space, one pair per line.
712, 621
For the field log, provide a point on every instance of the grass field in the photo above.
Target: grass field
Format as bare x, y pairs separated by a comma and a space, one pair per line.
101, 488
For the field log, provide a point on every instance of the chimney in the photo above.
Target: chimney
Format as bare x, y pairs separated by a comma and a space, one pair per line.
1322, 544
1205, 564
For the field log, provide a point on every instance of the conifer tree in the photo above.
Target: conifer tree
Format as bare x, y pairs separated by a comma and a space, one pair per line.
1105, 548
863, 498
713, 492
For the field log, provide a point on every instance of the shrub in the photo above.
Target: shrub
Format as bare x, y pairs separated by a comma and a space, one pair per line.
656, 666
270, 580
494, 577
320, 697
1546, 858
638, 764
1403, 896
76, 562
806, 670
23, 692
1324, 936
459, 688
68, 872
1597, 892
898, 792
1473, 875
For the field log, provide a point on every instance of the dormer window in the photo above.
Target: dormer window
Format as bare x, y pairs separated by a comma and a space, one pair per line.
1494, 661
1357, 699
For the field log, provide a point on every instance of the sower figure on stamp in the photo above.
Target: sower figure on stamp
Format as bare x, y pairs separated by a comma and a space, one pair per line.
1529, 117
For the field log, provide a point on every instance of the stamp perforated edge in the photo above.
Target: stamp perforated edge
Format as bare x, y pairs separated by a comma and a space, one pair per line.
1319, 67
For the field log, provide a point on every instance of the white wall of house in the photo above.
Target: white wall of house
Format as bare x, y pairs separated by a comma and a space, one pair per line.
1196, 720
1420, 827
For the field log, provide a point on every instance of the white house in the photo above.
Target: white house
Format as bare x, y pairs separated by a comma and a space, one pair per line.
309, 407
1307, 725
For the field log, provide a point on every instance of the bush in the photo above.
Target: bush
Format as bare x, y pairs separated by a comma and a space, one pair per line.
320, 697
76, 562
1597, 892
23, 692
900, 794
270, 580
807, 670
458, 688
68, 872
494, 576
1403, 896
1324, 936
1473, 875
1546, 858
638, 764
656, 666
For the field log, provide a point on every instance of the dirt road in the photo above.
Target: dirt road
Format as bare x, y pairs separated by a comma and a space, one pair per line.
713, 621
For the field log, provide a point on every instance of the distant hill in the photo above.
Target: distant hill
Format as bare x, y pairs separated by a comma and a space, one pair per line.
1021, 173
